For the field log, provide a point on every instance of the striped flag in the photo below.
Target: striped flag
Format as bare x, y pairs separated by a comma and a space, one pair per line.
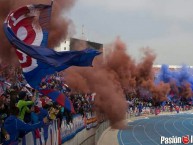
58, 97
27, 30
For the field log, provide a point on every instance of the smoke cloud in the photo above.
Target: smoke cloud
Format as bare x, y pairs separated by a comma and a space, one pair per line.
112, 75
181, 81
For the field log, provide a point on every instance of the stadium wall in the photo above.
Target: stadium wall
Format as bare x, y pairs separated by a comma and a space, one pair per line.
82, 132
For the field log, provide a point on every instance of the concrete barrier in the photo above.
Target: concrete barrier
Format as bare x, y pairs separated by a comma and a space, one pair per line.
88, 137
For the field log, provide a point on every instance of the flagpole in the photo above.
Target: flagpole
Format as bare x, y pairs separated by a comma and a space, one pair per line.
52, 1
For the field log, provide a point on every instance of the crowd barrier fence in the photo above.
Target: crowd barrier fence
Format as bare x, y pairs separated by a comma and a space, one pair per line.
83, 131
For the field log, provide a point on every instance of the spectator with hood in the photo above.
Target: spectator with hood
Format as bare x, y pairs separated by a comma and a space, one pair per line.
15, 126
23, 104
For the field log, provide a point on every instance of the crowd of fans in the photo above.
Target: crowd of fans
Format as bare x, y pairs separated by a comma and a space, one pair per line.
138, 106
23, 109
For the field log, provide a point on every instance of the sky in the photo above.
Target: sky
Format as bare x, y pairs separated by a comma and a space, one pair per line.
165, 26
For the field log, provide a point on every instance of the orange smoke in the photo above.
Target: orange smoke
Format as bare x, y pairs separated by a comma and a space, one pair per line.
112, 75
186, 91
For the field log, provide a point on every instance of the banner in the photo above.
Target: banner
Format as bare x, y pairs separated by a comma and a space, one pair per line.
48, 135
91, 120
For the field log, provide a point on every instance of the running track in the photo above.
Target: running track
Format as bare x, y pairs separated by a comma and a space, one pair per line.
148, 131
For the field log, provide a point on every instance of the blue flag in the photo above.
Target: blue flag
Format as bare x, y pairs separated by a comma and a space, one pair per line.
26, 29
60, 98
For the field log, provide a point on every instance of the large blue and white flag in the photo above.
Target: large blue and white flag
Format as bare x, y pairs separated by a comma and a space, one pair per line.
27, 30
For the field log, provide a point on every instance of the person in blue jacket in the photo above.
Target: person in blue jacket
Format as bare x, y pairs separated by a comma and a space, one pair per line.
14, 126
140, 108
